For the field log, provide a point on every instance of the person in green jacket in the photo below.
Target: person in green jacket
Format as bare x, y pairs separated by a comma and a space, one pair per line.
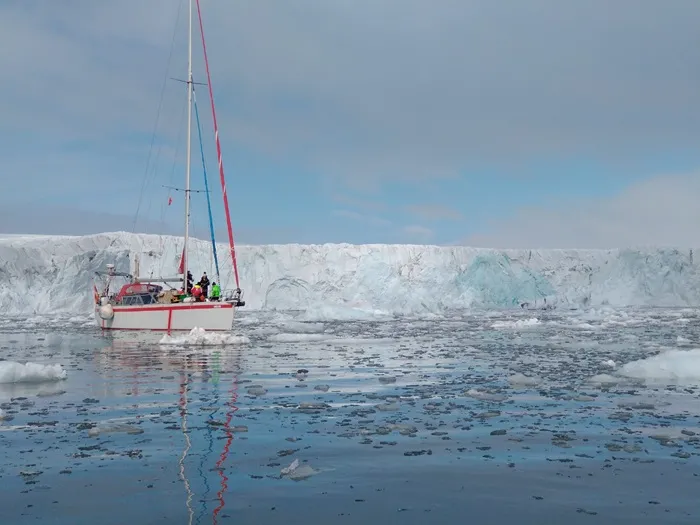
215, 292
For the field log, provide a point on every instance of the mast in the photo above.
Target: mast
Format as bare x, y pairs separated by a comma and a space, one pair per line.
189, 149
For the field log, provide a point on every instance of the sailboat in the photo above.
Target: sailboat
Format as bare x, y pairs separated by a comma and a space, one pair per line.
143, 303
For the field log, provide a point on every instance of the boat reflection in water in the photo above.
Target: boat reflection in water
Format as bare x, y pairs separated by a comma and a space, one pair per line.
167, 377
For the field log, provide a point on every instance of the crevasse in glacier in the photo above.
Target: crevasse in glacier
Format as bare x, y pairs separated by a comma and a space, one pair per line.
53, 274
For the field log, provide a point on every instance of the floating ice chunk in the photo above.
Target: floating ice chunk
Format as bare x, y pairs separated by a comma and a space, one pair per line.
675, 366
13, 372
302, 472
520, 323
604, 379
582, 326
291, 468
297, 472
523, 380
200, 337
486, 396
310, 405
584, 398
305, 328
298, 338
114, 429
256, 390
609, 363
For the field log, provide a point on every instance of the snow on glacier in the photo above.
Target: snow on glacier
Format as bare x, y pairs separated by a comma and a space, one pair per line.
53, 274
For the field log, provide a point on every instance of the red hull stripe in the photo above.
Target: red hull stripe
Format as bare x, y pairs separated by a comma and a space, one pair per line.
170, 318
206, 306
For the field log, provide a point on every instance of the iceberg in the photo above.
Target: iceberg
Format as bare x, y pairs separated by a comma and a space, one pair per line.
42, 275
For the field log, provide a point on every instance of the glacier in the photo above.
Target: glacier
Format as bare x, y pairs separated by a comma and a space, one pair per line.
41, 274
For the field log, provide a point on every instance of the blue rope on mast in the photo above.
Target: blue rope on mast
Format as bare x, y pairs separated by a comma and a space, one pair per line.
206, 189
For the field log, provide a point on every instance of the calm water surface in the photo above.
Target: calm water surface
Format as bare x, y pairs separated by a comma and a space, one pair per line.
485, 418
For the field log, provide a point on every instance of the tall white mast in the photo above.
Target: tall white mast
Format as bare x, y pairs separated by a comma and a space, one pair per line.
189, 149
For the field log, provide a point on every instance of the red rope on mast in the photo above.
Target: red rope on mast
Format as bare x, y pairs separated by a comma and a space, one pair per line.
218, 150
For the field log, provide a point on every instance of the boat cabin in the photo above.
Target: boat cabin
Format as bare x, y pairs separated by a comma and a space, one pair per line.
135, 294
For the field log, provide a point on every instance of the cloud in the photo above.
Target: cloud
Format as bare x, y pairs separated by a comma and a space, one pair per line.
60, 220
364, 204
368, 91
64, 220
365, 93
361, 217
420, 232
660, 211
442, 86
435, 212
82, 70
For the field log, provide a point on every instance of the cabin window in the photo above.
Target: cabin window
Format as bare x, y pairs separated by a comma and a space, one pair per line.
132, 300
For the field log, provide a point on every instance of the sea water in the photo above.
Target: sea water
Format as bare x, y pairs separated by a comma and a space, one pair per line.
474, 417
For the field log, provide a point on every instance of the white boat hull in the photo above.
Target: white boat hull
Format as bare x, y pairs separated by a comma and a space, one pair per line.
212, 316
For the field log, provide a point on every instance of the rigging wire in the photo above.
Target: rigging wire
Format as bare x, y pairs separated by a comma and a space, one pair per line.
155, 127
178, 145
212, 252
232, 247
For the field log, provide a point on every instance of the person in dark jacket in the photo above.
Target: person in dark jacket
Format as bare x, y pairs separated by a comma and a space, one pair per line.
204, 283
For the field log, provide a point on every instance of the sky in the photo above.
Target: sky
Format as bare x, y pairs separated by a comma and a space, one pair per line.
539, 124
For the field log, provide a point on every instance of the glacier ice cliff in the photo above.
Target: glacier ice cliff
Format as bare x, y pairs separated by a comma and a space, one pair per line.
53, 274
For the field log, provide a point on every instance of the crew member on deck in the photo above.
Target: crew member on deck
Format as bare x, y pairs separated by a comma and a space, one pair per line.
215, 292
197, 292
204, 282
189, 281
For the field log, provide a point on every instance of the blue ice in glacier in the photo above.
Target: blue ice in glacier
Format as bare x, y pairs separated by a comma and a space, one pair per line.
53, 274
